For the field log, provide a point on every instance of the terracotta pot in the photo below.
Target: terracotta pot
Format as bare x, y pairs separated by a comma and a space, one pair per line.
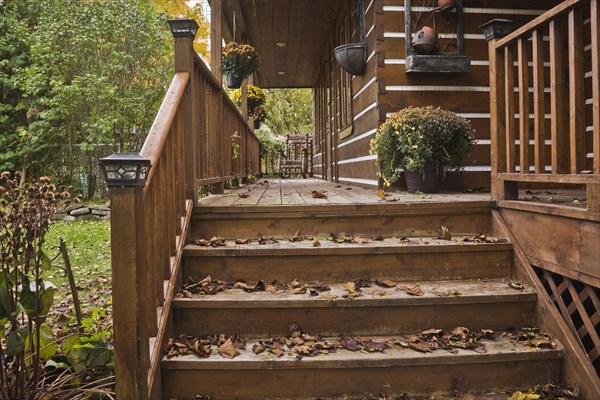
446, 3
234, 82
425, 41
426, 182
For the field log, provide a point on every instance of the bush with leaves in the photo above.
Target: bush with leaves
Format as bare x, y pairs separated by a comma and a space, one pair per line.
30, 355
415, 135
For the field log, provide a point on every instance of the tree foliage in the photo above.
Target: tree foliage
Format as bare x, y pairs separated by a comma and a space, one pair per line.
289, 111
81, 73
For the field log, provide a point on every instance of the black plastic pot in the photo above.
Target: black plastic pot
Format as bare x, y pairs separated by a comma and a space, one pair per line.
257, 124
234, 82
426, 182
352, 58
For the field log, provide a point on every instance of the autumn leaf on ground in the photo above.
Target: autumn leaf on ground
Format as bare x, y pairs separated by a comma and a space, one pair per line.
295, 284
378, 293
243, 241
318, 195
387, 283
414, 290
423, 348
328, 296
444, 233
297, 237
199, 349
524, 396
228, 350
316, 243
301, 290
378, 238
516, 285
265, 241
243, 195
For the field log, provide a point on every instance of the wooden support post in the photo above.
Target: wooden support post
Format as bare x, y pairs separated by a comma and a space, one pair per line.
495, 30
216, 38
557, 98
539, 102
128, 274
595, 33
576, 92
184, 61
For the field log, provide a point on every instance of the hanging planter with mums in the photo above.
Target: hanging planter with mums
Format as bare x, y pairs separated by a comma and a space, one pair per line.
239, 61
423, 140
255, 95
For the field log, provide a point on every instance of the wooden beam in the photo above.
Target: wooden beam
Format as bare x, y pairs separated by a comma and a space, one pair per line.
523, 63
216, 38
539, 101
509, 107
576, 92
595, 31
557, 97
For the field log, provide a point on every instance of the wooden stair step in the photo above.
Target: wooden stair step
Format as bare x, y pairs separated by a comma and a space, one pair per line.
505, 365
393, 219
418, 258
489, 304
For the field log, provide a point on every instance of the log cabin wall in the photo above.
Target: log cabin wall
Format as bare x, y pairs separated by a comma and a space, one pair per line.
342, 154
346, 112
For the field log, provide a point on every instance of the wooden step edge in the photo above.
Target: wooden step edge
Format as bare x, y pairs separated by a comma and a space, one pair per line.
417, 208
501, 350
283, 248
395, 299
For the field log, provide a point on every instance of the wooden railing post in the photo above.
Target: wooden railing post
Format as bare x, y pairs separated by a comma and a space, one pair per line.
495, 30
184, 31
216, 66
125, 176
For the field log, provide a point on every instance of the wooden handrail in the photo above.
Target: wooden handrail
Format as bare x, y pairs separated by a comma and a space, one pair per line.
159, 131
534, 23
574, 123
198, 136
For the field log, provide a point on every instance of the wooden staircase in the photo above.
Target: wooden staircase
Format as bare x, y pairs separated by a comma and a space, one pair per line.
464, 284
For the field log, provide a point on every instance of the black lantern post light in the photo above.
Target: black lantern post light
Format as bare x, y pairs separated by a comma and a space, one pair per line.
125, 170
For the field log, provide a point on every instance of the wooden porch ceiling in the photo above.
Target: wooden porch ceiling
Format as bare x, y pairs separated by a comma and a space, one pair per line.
290, 36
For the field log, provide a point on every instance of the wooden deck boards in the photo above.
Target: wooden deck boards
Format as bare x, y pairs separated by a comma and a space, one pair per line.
267, 192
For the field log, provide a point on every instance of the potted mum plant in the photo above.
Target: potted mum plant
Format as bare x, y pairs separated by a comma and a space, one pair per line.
239, 61
256, 98
424, 142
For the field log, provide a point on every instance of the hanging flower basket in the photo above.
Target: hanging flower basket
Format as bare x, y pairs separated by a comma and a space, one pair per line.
239, 60
352, 58
234, 82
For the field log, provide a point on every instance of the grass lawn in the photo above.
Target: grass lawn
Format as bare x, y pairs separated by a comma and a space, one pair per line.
88, 245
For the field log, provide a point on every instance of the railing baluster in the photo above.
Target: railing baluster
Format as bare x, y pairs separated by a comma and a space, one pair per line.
595, 42
539, 101
509, 105
576, 92
557, 98
523, 60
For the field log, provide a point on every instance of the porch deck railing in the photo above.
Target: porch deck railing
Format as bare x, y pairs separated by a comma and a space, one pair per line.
545, 102
198, 137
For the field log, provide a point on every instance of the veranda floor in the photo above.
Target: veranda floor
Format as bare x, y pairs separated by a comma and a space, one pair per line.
309, 191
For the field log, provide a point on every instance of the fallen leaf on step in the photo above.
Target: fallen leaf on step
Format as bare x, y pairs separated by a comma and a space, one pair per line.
349, 286
361, 240
297, 237
516, 285
378, 293
448, 293
200, 350
295, 284
300, 290
243, 195
414, 290
271, 289
316, 243
378, 238
243, 241
348, 188
228, 350
444, 233
318, 195
265, 241
201, 242
422, 347
258, 348
388, 283
524, 396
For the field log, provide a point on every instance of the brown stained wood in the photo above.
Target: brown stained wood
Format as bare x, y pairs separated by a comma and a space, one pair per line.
509, 108
548, 16
357, 373
590, 328
550, 209
539, 105
497, 118
590, 251
595, 43
130, 368
330, 262
338, 318
576, 92
162, 124
576, 367
557, 94
524, 130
